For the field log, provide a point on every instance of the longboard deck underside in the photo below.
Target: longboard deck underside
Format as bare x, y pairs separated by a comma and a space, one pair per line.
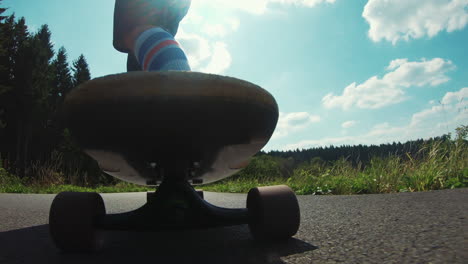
142, 127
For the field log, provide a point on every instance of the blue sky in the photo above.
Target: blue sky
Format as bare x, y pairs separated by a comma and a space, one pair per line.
342, 72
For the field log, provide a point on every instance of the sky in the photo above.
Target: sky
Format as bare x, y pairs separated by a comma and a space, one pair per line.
343, 72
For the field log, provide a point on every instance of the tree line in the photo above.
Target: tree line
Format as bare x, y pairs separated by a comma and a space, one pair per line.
34, 80
363, 154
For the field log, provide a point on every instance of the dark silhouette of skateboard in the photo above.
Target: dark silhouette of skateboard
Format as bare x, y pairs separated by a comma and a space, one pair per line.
171, 130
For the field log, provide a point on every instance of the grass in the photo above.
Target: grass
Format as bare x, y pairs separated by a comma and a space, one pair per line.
443, 166
440, 165
12, 184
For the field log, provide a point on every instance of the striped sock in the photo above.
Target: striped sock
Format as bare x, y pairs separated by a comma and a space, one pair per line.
157, 50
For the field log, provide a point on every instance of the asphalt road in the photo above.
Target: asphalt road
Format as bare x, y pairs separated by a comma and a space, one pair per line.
428, 227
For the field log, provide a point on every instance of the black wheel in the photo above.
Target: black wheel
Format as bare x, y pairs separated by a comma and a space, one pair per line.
273, 212
72, 221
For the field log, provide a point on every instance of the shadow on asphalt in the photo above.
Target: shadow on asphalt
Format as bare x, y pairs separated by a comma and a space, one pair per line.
220, 245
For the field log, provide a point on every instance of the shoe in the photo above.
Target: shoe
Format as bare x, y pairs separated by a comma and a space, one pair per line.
131, 17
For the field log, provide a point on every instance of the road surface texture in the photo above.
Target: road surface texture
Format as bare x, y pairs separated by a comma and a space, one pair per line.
426, 227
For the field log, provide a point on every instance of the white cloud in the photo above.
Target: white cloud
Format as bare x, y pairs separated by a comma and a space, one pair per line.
216, 30
396, 63
196, 47
453, 105
257, 7
251, 6
411, 19
205, 55
421, 73
293, 122
220, 60
459, 97
202, 37
390, 89
431, 122
233, 22
348, 124
192, 18
307, 3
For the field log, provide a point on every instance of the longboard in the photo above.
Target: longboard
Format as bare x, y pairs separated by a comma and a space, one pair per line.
144, 126
172, 130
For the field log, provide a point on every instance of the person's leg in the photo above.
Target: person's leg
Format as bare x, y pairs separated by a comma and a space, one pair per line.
156, 50
145, 30
132, 63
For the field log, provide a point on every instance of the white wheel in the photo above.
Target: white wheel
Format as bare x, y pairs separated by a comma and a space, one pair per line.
72, 221
273, 212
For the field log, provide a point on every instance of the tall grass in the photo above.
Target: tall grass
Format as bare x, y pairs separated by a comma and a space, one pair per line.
438, 165
51, 177
10, 183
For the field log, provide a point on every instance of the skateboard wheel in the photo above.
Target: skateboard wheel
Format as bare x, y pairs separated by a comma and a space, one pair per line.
72, 221
273, 212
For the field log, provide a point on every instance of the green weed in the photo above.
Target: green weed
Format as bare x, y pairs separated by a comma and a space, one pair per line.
437, 165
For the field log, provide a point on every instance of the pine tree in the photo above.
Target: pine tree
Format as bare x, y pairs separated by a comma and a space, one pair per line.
81, 72
62, 79
7, 99
42, 70
9, 46
2, 10
31, 85
3, 84
21, 58
2, 36
42, 54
